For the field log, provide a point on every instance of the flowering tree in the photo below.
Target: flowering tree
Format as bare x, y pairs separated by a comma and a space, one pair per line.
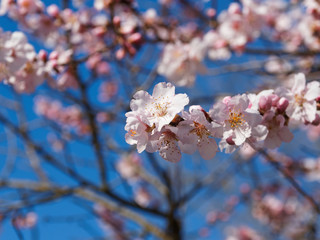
169, 119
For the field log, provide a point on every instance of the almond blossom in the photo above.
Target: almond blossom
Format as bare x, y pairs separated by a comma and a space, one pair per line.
137, 131
195, 132
161, 107
302, 99
239, 121
166, 143
181, 62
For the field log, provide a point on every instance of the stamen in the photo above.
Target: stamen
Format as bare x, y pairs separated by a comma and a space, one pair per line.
132, 133
235, 119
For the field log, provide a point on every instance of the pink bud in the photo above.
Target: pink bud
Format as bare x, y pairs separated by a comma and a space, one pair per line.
265, 103
54, 63
103, 68
318, 99
116, 21
130, 49
103, 117
93, 61
120, 53
220, 43
282, 104
230, 141
211, 217
43, 55
99, 31
67, 12
316, 121
233, 200
135, 38
53, 10
275, 99
211, 12
53, 55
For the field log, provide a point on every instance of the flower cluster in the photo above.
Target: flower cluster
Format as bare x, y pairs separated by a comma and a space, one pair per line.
259, 120
284, 214
19, 64
242, 233
110, 221
131, 169
69, 117
26, 221
237, 26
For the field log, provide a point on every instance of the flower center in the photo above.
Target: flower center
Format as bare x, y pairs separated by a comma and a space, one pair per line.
132, 133
28, 68
299, 99
160, 109
235, 119
200, 130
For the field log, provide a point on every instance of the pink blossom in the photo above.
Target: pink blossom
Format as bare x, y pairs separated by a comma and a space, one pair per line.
142, 197
27, 221
129, 166
239, 121
137, 131
166, 143
302, 105
161, 107
181, 62
195, 132
312, 169
217, 46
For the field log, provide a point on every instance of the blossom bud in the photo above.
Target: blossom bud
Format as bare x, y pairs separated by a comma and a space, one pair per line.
220, 43
275, 99
93, 61
116, 21
103, 117
120, 53
99, 31
103, 68
53, 10
130, 49
232, 201
211, 12
282, 104
53, 55
212, 217
316, 121
135, 38
230, 141
265, 103
43, 55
